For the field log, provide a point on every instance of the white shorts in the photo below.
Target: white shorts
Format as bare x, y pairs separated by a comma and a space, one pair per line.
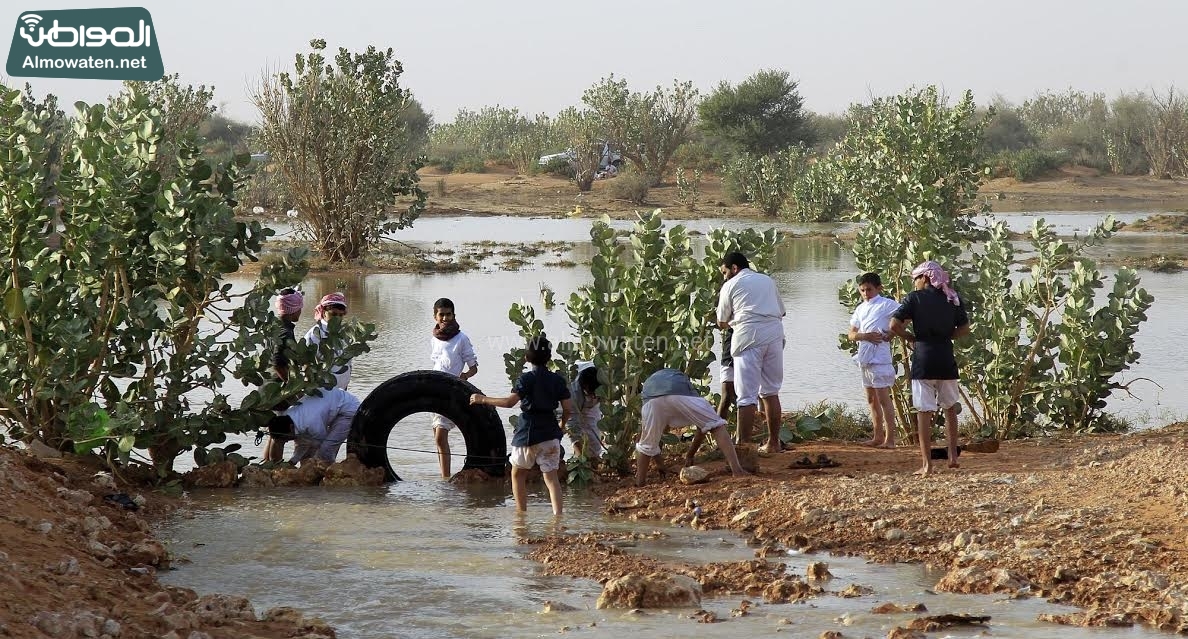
547, 455
442, 423
929, 395
674, 411
727, 374
758, 372
877, 375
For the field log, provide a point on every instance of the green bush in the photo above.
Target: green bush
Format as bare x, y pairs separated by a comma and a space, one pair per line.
558, 167
1028, 164
632, 187
470, 164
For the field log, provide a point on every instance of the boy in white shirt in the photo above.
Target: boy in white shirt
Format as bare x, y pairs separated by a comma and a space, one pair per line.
319, 424
870, 327
452, 353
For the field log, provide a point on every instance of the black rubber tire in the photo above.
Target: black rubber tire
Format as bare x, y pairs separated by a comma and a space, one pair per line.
428, 392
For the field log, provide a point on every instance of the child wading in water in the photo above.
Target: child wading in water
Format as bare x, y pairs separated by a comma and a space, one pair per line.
452, 353
870, 326
537, 438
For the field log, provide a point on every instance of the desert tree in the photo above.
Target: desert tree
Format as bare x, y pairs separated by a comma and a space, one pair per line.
647, 128
761, 115
337, 134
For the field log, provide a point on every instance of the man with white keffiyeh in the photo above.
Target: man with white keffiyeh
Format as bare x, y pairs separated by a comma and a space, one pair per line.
937, 316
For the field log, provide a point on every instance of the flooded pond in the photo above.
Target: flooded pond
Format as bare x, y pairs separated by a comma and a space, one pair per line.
425, 558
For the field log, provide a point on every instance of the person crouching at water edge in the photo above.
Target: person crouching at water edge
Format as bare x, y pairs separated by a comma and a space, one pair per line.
670, 401
318, 423
937, 317
537, 438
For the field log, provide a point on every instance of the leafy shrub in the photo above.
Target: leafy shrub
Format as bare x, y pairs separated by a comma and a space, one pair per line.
559, 167
815, 195
470, 164
1028, 164
632, 187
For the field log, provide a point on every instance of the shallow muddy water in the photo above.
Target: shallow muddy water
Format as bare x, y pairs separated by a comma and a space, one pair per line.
424, 558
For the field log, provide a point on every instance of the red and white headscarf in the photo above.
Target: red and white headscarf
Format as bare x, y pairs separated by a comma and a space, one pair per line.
331, 299
938, 278
290, 303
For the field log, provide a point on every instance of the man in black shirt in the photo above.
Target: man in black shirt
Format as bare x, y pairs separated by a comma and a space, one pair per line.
937, 317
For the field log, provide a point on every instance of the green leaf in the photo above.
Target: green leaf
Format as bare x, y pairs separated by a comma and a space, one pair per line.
14, 303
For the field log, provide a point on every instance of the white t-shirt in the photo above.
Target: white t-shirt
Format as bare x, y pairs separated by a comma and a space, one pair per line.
874, 316
316, 419
315, 335
751, 303
454, 355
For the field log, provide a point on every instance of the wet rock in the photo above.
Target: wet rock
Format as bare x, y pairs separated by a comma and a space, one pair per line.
854, 590
831, 634
904, 633
220, 475
657, 590
309, 474
471, 476
975, 579
149, 552
557, 606
891, 609
787, 590
818, 571
941, 622
693, 475
219, 609
352, 472
748, 457
256, 477
704, 616
284, 614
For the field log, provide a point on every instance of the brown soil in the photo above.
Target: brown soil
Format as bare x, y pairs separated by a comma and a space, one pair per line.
1094, 521
1163, 223
75, 565
501, 191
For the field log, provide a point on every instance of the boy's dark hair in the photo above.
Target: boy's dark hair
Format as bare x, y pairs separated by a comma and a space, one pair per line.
443, 302
288, 291
540, 351
588, 380
870, 278
281, 427
734, 258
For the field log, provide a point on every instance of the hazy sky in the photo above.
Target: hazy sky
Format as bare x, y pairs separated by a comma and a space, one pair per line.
538, 55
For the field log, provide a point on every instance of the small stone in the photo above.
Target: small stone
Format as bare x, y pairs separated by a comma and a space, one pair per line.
693, 475
44, 527
895, 534
818, 571
556, 606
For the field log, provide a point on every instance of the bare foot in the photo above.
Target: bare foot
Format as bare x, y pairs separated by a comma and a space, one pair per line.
689, 461
890, 445
954, 465
923, 471
873, 443
741, 473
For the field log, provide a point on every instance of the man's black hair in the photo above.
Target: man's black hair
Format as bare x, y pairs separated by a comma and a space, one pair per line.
734, 258
540, 351
870, 278
588, 380
443, 302
281, 427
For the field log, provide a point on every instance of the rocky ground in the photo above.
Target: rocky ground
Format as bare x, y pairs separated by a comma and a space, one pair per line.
74, 563
1096, 521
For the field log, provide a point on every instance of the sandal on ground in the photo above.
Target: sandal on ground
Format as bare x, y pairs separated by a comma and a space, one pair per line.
822, 461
